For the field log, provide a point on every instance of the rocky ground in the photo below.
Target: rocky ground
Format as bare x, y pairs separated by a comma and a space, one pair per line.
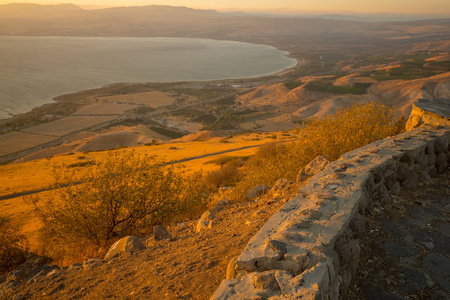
191, 265
406, 253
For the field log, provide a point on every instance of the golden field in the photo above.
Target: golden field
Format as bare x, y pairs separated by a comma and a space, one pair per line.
38, 174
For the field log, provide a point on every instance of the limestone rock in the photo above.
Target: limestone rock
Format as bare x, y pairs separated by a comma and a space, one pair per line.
231, 268
205, 221
433, 112
281, 186
317, 165
257, 191
126, 244
161, 233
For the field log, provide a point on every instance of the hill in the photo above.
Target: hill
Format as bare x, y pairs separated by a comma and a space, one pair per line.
293, 34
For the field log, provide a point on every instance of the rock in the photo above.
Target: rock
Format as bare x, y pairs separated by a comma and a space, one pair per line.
55, 273
205, 221
433, 112
207, 216
266, 281
280, 187
126, 244
317, 165
219, 206
75, 266
161, 233
257, 191
203, 224
231, 268
415, 280
92, 263
374, 292
437, 266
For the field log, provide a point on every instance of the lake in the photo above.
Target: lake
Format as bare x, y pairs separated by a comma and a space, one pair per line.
33, 70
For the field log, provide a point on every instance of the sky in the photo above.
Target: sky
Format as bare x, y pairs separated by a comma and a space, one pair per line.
280, 6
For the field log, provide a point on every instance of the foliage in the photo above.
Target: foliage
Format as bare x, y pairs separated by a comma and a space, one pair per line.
227, 175
332, 136
13, 247
327, 87
225, 122
167, 132
292, 84
123, 194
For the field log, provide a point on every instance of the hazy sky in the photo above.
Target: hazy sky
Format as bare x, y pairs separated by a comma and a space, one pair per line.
287, 6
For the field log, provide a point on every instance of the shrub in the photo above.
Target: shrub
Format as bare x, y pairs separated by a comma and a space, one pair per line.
228, 173
13, 247
121, 195
332, 136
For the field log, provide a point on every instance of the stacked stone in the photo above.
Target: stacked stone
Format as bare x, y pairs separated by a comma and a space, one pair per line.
310, 248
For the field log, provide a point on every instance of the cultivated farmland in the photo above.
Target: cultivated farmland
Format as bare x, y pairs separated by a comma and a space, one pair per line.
19, 141
70, 124
153, 98
105, 109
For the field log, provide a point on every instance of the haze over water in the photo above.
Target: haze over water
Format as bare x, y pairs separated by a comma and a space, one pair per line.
33, 70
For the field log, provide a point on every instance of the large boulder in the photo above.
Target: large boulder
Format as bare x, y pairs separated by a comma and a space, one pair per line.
317, 165
432, 112
126, 244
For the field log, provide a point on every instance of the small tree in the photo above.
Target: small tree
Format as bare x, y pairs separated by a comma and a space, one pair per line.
122, 194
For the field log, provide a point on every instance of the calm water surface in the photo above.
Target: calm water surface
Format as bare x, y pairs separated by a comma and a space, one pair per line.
33, 70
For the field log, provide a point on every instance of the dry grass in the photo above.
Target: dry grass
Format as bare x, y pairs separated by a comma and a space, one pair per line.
38, 174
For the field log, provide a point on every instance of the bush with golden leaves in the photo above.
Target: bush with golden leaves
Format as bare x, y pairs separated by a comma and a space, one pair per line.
346, 130
123, 194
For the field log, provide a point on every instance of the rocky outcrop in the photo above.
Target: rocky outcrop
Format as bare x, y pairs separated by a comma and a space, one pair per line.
432, 112
317, 165
126, 244
310, 248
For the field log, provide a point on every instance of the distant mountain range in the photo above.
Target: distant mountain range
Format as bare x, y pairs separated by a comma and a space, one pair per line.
294, 32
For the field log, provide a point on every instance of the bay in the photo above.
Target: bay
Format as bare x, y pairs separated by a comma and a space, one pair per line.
33, 70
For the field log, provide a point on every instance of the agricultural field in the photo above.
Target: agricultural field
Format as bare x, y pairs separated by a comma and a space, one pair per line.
153, 98
105, 109
18, 141
70, 124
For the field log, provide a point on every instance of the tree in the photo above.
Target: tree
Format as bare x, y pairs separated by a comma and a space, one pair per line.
124, 193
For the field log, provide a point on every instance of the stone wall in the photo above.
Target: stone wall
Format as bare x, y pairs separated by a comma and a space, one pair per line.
310, 248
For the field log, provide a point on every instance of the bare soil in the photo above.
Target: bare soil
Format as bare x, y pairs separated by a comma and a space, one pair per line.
190, 266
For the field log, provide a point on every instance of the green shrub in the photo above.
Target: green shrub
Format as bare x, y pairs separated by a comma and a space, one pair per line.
292, 84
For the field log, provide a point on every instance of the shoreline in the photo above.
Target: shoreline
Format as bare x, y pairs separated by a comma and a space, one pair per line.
255, 78
58, 98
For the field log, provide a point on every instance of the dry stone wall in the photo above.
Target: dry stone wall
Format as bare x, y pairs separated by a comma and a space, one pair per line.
310, 248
